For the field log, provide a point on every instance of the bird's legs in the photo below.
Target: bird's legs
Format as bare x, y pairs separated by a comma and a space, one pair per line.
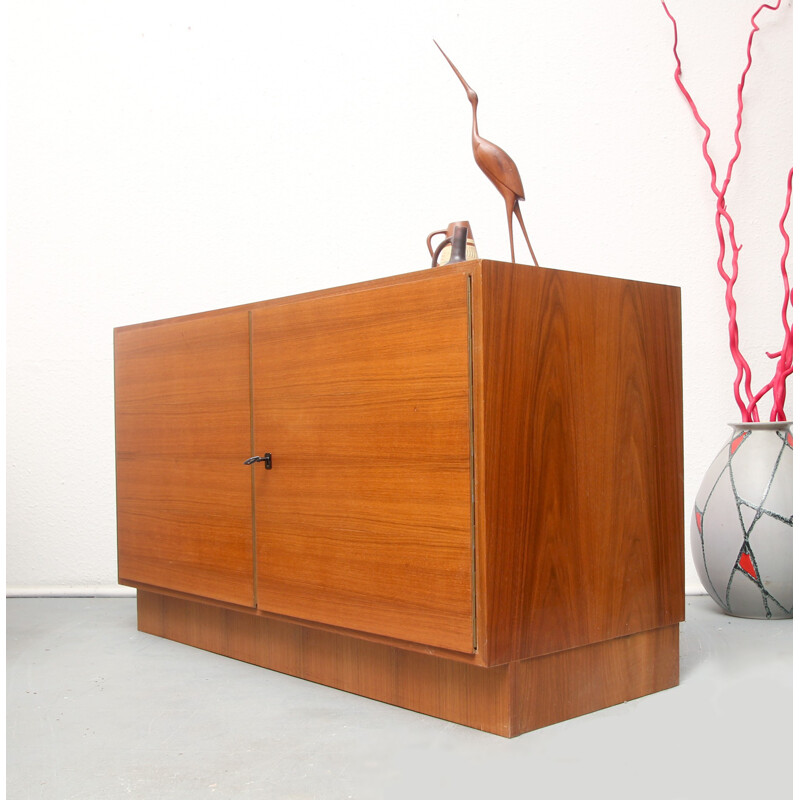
525, 233
511, 204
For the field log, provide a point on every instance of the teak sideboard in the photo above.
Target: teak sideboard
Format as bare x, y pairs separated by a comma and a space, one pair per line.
468, 497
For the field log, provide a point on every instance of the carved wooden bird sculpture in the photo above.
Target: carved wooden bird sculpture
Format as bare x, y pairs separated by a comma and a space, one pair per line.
497, 165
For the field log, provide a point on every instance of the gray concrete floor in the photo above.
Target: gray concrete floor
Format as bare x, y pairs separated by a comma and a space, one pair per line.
97, 711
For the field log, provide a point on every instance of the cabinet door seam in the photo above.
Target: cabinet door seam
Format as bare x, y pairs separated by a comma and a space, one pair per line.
252, 471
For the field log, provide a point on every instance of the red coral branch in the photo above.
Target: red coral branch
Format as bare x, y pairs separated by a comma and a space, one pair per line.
749, 411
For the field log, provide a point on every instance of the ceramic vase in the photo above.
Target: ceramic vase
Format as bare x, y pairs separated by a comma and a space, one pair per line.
742, 522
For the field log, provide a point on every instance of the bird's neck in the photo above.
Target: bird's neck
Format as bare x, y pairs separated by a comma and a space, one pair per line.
475, 120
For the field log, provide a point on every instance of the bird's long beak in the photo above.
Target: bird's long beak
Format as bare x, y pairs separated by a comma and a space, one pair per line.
466, 86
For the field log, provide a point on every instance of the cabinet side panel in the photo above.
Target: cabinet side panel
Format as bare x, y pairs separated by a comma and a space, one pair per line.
583, 459
183, 431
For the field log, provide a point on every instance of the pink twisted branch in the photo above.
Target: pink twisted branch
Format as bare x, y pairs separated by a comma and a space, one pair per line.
786, 356
748, 410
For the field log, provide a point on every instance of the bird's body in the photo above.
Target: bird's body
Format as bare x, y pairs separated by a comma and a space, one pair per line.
497, 166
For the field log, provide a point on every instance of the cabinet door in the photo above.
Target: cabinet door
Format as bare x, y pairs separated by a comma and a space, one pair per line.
365, 519
184, 503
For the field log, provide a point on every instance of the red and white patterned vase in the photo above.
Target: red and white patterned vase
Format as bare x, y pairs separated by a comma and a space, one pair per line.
742, 523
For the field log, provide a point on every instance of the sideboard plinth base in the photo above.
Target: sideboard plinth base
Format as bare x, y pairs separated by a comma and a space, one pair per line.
507, 700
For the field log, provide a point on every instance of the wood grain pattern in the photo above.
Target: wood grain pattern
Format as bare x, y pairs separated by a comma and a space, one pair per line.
183, 430
365, 522
584, 463
507, 700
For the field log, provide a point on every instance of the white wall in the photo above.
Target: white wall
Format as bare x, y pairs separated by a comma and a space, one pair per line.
171, 157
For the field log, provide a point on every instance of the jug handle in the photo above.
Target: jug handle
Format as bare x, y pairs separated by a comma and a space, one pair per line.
430, 236
440, 247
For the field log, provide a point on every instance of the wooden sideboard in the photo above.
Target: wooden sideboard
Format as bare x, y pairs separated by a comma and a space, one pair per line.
474, 500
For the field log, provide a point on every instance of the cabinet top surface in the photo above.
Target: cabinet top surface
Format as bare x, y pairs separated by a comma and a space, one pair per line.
477, 266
